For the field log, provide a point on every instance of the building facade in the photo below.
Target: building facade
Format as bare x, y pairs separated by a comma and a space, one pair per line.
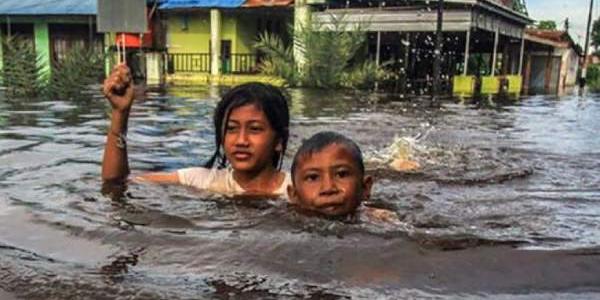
217, 37
552, 61
52, 29
482, 39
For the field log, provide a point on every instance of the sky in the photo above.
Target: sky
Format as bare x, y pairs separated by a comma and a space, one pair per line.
559, 10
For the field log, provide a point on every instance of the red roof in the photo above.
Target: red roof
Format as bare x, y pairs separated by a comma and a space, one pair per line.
559, 36
556, 38
267, 3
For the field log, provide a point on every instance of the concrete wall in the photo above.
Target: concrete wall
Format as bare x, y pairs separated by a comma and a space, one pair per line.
570, 68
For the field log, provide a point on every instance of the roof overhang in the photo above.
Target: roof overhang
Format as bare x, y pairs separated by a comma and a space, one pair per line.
48, 8
462, 16
532, 38
192, 4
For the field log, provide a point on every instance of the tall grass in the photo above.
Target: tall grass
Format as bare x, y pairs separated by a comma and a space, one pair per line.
333, 57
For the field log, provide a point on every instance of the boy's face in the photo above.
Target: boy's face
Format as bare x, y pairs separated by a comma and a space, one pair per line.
330, 182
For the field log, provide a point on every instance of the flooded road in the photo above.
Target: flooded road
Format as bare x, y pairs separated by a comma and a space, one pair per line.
506, 204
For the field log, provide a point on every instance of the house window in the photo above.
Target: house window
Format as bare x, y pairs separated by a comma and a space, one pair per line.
185, 19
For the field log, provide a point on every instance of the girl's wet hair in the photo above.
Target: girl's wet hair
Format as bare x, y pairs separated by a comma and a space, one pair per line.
267, 98
319, 141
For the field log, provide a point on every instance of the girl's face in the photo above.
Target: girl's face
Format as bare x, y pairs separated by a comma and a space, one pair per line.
249, 140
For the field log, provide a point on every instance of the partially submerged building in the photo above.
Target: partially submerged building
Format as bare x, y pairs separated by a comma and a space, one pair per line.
53, 28
552, 61
216, 37
482, 39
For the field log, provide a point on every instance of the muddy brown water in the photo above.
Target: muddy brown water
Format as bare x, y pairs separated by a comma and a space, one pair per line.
506, 204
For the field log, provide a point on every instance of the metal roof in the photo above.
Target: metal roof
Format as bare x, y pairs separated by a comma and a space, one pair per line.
48, 7
177, 4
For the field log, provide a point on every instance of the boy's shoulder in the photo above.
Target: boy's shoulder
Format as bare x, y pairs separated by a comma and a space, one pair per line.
377, 215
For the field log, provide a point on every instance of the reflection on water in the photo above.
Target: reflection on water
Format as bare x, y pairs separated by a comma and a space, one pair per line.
493, 176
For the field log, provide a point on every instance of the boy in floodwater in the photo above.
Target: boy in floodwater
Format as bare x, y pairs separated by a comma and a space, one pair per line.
328, 177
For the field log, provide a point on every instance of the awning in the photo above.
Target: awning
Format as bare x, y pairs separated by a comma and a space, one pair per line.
268, 3
178, 4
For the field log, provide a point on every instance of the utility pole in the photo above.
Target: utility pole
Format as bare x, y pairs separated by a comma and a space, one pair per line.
437, 63
585, 50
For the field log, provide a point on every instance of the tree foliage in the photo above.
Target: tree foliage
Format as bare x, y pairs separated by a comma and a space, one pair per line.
333, 57
22, 69
519, 5
547, 25
595, 39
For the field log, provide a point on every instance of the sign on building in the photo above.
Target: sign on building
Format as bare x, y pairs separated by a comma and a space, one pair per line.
122, 16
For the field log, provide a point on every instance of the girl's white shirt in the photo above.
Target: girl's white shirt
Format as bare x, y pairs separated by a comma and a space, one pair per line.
221, 181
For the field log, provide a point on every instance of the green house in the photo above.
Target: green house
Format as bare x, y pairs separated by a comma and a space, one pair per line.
53, 28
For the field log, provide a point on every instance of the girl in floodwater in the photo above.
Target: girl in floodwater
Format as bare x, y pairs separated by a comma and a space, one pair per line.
251, 123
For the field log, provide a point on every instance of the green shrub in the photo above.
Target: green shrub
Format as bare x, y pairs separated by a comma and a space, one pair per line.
593, 77
333, 57
70, 77
22, 69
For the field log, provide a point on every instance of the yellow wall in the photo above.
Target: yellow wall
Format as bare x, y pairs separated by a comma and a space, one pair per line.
196, 38
246, 34
228, 30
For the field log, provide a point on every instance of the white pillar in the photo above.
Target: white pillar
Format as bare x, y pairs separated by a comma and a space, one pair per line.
496, 38
8, 27
215, 42
467, 52
378, 47
1, 53
302, 21
522, 54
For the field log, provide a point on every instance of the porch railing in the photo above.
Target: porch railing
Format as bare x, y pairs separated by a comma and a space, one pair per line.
235, 63
188, 62
240, 63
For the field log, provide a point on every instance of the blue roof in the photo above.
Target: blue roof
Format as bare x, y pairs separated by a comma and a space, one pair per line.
48, 7
175, 4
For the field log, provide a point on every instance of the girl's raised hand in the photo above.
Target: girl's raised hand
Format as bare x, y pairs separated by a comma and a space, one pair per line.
118, 88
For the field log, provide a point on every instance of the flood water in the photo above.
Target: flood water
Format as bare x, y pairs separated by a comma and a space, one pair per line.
506, 204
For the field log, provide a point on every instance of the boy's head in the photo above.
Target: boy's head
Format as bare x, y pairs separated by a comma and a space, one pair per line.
328, 175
